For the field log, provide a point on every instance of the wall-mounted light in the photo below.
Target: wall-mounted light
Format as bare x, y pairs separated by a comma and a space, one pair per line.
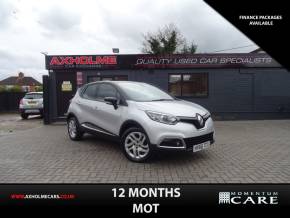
115, 50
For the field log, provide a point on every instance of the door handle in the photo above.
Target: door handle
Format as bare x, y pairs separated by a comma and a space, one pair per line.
95, 107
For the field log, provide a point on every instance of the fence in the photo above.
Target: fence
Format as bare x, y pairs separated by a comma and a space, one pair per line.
9, 101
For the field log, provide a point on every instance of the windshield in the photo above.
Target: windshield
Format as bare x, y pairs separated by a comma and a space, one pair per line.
33, 96
144, 92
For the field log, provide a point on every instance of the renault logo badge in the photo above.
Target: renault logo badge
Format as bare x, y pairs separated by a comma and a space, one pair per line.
199, 119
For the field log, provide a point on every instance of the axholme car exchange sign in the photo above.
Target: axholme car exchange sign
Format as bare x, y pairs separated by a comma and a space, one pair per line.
152, 61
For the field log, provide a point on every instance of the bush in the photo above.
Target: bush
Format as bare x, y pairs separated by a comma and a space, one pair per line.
38, 88
2, 88
15, 88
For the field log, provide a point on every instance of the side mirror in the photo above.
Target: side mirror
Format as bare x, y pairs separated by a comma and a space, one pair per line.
112, 100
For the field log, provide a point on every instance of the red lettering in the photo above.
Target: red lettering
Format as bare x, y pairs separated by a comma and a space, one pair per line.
54, 61
64, 60
90, 60
106, 60
75, 60
101, 60
83, 60
112, 60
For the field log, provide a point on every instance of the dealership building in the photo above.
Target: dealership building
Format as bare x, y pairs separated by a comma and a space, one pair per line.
231, 86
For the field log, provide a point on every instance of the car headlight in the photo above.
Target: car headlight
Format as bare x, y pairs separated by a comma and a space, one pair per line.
207, 115
162, 118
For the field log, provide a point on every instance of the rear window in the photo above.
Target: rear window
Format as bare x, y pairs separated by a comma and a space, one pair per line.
33, 96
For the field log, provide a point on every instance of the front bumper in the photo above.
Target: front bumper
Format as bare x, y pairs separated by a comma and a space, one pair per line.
182, 136
185, 143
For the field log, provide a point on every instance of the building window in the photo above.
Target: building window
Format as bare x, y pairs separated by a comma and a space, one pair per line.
106, 78
188, 85
175, 85
93, 79
121, 78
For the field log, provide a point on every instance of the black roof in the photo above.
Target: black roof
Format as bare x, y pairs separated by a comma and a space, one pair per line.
15, 80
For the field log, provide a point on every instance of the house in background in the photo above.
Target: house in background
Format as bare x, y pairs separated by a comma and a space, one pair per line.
25, 83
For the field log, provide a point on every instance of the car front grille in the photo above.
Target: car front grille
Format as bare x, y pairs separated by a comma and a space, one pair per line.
190, 142
194, 121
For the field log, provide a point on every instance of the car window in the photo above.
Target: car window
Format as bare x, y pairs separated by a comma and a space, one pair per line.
106, 90
33, 96
144, 92
90, 92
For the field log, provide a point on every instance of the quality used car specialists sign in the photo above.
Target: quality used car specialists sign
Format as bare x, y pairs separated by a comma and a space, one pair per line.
207, 61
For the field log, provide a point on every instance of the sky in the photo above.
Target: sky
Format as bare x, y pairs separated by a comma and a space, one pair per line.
29, 27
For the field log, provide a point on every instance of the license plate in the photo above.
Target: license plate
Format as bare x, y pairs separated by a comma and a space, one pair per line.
201, 146
31, 111
32, 102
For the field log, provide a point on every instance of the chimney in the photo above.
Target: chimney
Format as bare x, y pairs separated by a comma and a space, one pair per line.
19, 80
20, 75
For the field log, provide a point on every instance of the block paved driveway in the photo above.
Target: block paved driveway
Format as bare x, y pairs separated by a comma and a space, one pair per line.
245, 152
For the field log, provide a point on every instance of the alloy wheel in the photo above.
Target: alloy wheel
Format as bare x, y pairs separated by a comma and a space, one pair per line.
72, 128
136, 145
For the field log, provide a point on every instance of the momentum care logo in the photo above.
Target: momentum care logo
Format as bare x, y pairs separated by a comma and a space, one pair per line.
248, 198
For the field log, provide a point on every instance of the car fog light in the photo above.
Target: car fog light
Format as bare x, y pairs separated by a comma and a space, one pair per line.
171, 143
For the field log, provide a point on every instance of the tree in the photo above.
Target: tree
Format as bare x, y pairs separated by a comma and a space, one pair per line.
15, 88
188, 48
2, 88
167, 40
39, 88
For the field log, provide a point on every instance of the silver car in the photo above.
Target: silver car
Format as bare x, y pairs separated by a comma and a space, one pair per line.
31, 104
141, 117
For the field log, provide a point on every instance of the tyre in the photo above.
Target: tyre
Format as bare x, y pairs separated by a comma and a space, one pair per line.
24, 116
73, 129
136, 145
